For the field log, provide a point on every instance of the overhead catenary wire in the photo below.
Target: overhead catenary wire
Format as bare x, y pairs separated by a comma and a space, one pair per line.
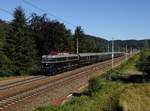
59, 18
51, 14
6, 11
42, 10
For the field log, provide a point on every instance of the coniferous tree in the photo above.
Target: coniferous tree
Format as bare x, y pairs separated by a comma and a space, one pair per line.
20, 45
4, 61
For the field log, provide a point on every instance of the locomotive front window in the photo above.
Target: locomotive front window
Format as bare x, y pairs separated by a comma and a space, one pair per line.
44, 59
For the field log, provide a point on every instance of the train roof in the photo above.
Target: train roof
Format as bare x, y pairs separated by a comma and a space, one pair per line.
60, 56
92, 54
75, 55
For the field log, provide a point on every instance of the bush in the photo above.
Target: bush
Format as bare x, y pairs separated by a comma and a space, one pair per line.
144, 62
94, 85
114, 75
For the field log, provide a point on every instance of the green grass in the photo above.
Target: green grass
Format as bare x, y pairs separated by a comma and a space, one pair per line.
2, 78
129, 67
10, 77
102, 100
136, 98
5, 78
125, 70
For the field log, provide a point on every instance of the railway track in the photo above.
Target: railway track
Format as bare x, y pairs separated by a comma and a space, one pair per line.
15, 89
39, 90
55, 83
20, 82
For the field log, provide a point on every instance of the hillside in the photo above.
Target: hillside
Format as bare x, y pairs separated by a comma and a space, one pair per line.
137, 44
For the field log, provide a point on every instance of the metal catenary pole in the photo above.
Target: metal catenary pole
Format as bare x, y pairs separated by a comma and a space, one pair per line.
77, 46
112, 53
108, 46
126, 52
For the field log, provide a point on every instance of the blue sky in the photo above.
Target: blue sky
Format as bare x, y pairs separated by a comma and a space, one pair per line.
120, 19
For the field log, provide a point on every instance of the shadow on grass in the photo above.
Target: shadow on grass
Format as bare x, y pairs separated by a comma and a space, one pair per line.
136, 78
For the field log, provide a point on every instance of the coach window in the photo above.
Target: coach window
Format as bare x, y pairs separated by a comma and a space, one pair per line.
72, 58
51, 59
61, 59
69, 58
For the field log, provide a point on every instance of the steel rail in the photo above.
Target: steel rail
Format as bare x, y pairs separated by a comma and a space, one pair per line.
20, 82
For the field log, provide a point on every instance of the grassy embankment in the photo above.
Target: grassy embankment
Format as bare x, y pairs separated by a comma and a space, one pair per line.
106, 95
129, 67
102, 100
135, 98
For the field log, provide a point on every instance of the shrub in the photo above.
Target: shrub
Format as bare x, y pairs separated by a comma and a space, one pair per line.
94, 85
144, 62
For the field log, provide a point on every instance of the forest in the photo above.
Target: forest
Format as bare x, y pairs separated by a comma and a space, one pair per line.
23, 41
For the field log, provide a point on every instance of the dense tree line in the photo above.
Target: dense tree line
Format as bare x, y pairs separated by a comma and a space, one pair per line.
131, 44
23, 41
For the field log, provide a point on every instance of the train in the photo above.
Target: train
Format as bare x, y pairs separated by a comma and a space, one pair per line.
52, 64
